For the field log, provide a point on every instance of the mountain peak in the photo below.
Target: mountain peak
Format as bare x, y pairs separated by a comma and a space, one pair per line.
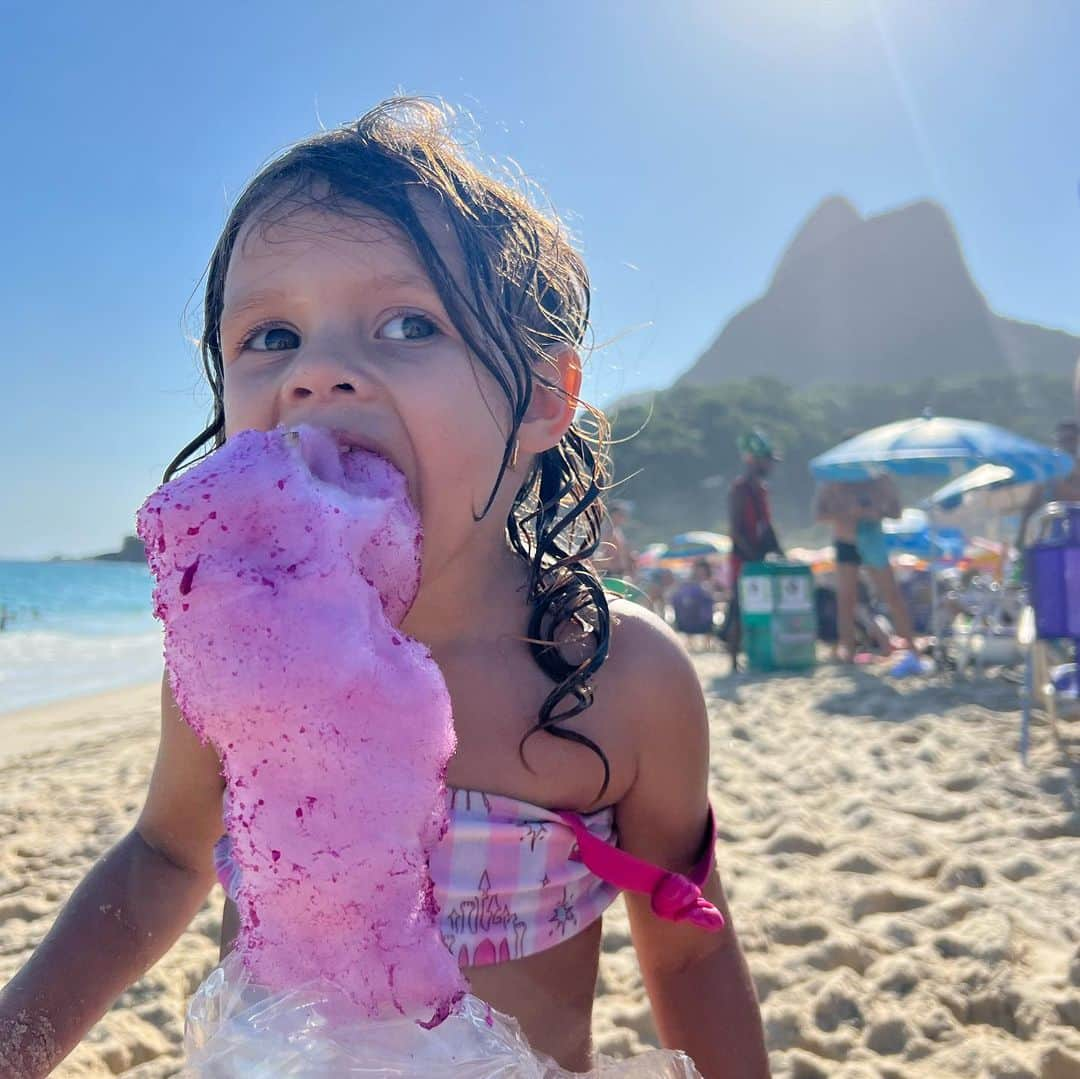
875, 299
829, 220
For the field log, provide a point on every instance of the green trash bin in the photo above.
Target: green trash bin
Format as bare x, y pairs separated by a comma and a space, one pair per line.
778, 616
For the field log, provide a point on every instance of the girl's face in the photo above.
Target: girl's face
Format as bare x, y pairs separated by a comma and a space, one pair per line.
331, 320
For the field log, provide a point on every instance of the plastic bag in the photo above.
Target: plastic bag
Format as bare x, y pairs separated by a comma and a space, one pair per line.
236, 1029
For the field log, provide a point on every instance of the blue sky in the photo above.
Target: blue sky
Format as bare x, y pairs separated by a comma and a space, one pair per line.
684, 142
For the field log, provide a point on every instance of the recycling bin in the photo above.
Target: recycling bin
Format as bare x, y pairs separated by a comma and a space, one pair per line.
778, 616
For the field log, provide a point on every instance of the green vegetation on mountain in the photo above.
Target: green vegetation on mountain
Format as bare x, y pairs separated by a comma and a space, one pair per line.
678, 453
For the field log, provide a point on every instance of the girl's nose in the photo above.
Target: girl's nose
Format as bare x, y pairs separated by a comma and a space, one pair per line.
326, 372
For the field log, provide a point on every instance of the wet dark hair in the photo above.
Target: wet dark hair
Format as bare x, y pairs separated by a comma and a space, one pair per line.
526, 288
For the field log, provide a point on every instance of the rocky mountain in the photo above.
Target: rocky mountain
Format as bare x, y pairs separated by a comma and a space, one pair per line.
879, 299
131, 550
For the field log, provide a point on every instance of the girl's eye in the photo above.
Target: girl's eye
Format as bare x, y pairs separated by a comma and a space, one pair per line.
278, 339
408, 326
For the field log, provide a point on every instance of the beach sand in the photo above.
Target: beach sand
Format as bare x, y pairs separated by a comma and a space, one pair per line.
906, 892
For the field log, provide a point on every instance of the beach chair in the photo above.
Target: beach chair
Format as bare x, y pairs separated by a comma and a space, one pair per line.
694, 608
1052, 566
992, 610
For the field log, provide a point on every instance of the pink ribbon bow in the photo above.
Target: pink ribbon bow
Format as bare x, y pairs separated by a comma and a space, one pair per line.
675, 897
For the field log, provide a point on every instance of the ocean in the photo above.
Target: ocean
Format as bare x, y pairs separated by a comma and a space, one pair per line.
74, 628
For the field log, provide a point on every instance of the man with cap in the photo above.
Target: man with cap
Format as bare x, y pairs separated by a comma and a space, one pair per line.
750, 525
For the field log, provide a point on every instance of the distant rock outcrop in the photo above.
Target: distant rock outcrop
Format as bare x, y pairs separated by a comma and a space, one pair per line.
131, 550
881, 299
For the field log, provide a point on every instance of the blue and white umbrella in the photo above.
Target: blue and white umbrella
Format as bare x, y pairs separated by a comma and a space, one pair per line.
696, 545
935, 446
913, 532
993, 478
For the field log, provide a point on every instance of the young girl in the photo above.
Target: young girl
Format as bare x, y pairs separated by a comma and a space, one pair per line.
372, 281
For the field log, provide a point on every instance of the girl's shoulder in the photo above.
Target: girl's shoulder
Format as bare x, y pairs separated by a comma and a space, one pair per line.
650, 672
662, 811
636, 631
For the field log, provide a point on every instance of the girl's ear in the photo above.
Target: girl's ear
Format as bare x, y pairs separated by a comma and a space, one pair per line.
554, 400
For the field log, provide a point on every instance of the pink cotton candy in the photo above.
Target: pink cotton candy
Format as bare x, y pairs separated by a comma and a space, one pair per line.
282, 570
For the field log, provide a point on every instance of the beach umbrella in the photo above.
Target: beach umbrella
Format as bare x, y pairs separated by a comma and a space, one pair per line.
696, 545
914, 533
994, 477
935, 446
648, 558
983, 478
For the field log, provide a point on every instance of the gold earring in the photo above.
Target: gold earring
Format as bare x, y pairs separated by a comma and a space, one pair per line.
514, 455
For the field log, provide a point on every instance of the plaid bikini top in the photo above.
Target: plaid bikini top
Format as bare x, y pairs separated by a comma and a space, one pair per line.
513, 878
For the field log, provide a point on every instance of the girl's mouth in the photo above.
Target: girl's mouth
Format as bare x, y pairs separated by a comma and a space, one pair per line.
344, 460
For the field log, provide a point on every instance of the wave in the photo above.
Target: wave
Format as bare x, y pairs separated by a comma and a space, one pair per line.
42, 666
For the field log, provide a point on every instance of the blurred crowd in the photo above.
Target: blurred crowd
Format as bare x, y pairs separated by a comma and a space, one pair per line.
868, 601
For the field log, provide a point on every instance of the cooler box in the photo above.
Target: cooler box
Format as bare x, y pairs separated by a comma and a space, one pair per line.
778, 616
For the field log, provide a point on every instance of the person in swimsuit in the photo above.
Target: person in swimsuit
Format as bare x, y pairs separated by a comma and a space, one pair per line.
1061, 489
615, 557
855, 511
372, 280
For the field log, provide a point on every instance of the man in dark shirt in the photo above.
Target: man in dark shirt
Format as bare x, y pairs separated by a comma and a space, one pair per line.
750, 525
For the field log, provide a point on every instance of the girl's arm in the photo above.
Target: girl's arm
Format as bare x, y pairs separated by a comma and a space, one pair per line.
127, 912
698, 982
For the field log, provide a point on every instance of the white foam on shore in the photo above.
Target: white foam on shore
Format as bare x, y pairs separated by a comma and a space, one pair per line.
42, 666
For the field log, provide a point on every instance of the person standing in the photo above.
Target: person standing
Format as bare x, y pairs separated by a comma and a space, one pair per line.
750, 525
855, 511
1062, 489
836, 505
615, 557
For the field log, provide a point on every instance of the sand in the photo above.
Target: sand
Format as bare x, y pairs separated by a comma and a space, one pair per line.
907, 893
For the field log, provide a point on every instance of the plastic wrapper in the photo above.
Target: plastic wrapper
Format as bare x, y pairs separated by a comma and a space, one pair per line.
237, 1029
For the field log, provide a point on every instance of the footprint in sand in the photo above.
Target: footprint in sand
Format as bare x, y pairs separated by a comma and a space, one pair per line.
900, 975
23, 908
986, 936
793, 841
838, 1004
933, 810
1054, 782
961, 874
961, 783
947, 911
797, 934
1059, 1063
1063, 827
888, 1036
767, 981
805, 1066
909, 736
1003, 1008
858, 862
639, 1019
886, 901
840, 950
